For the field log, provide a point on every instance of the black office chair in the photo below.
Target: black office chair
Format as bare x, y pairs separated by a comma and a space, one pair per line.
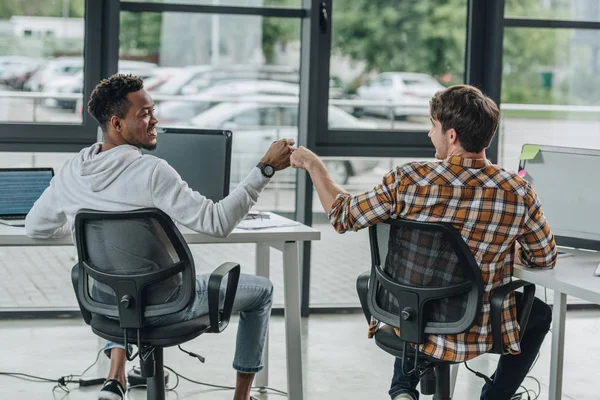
134, 268
428, 284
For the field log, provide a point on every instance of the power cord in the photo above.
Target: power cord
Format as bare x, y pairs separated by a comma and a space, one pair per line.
63, 382
518, 395
277, 391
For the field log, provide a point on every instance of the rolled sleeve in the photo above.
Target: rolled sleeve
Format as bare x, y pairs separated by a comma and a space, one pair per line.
369, 208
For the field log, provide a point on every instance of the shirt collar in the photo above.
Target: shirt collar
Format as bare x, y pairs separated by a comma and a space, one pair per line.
478, 163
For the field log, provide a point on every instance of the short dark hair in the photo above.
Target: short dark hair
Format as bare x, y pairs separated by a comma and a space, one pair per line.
473, 115
110, 97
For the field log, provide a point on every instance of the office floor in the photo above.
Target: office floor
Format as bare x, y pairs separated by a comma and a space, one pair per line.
339, 361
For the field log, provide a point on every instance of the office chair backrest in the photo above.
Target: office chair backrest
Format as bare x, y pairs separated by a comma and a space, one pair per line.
132, 265
424, 279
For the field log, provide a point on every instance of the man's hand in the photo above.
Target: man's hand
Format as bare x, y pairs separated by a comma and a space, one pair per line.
302, 158
278, 155
517, 251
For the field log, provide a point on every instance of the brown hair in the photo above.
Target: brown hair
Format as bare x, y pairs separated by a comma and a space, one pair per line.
473, 115
110, 97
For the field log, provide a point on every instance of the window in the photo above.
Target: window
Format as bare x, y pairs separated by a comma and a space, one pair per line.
42, 54
391, 66
551, 91
253, 117
579, 10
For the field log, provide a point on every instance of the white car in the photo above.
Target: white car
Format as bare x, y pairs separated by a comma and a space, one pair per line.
410, 92
192, 80
180, 111
257, 122
74, 83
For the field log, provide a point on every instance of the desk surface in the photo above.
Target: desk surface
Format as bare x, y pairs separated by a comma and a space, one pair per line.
572, 275
12, 236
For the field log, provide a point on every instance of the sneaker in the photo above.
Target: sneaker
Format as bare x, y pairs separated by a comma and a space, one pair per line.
112, 390
404, 396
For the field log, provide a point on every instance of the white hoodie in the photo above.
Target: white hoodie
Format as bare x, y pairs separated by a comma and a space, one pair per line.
122, 179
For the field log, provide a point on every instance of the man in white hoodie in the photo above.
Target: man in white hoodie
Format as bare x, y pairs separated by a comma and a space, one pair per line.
115, 176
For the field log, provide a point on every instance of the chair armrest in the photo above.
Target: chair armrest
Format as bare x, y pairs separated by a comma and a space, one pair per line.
362, 288
219, 319
87, 316
496, 301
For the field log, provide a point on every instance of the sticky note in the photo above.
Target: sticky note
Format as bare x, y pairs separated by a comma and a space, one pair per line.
522, 173
529, 152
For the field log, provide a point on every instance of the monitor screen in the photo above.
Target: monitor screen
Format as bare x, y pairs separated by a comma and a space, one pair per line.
569, 195
202, 158
20, 188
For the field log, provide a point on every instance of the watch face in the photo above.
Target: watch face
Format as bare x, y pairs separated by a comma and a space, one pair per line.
270, 171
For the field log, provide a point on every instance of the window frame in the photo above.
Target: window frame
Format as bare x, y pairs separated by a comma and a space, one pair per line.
61, 137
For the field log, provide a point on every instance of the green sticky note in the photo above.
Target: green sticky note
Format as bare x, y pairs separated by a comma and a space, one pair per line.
529, 152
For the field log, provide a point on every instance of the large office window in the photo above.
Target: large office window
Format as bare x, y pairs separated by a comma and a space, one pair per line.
389, 57
41, 61
223, 71
550, 91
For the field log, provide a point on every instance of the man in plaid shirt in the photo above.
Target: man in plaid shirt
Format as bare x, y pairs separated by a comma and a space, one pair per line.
497, 213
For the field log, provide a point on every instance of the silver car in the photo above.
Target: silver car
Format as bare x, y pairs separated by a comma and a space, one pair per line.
257, 122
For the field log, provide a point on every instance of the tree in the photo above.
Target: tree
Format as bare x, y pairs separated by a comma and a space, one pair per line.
40, 8
278, 30
140, 33
410, 35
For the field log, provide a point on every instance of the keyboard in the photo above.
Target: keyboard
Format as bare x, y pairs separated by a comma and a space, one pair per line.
13, 217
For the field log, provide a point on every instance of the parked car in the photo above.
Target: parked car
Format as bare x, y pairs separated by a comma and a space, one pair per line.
258, 121
74, 83
179, 111
55, 69
411, 91
194, 79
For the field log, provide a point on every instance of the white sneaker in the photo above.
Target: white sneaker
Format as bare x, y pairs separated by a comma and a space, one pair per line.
404, 396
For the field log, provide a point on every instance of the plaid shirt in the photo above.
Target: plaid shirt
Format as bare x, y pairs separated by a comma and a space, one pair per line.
491, 208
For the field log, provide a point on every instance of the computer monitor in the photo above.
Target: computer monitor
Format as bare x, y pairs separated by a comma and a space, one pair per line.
564, 180
202, 158
19, 190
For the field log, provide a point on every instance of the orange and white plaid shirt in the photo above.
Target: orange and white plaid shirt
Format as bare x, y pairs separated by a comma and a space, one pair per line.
491, 208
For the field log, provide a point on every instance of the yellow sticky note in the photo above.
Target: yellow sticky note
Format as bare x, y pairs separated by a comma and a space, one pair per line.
529, 152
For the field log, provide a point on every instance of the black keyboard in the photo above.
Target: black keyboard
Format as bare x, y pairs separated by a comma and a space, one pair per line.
12, 217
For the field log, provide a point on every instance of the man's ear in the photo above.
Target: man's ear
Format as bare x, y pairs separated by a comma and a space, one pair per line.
116, 123
452, 136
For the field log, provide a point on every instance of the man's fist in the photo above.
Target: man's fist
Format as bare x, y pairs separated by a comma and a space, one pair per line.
278, 155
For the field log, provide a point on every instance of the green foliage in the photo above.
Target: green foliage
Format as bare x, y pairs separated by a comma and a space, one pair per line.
278, 30
412, 35
40, 8
140, 33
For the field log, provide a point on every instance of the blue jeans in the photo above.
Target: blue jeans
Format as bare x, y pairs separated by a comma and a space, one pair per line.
253, 301
511, 370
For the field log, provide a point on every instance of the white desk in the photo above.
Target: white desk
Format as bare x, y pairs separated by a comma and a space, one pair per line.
285, 239
572, 276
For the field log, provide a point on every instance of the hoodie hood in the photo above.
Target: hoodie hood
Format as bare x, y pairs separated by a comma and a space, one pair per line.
99, 170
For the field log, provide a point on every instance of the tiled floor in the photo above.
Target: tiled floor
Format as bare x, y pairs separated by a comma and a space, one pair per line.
339, 362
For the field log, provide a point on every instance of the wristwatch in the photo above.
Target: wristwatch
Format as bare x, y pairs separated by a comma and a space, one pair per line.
267, 170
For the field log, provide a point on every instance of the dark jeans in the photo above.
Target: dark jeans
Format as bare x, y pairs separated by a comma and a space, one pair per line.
511, 370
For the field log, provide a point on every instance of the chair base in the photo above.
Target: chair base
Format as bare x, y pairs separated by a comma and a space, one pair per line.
134, 377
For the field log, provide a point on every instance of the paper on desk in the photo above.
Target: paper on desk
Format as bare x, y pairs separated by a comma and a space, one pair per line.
529, 152
274, 221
